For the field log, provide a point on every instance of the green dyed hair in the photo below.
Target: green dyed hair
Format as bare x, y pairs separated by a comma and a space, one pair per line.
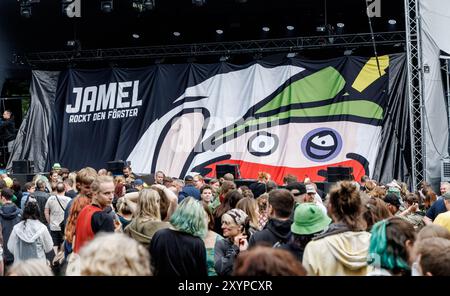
388, 244
190, 217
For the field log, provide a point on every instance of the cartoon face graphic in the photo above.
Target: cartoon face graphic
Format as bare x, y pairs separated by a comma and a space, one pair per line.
309, 122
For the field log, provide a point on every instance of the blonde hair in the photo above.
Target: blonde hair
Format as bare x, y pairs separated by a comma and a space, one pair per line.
148, 205
30, 267
95, 186
114, 254
248, 205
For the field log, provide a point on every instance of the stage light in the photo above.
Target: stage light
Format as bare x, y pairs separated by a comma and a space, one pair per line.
136, 36
198, 2
241, 1
25, 7
291, 55
392, 22
143, 5
176, 34
348, 52
266, 29
321, 29
106, 6
224, 58
290, 28
340, 28
219, 31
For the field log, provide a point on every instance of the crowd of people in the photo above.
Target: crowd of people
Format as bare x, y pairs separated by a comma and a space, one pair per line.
90, 222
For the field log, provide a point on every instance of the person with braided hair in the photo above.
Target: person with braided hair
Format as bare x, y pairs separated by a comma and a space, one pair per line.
391, 245
342, 248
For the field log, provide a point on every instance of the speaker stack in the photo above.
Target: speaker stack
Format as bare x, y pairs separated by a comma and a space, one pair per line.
339, 173
222, 169
23, 171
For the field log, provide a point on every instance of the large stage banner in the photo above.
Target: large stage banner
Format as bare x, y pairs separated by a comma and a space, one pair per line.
286, 117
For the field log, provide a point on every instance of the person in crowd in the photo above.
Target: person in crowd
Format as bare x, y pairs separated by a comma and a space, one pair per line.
128, 174
309, 220
443, 219
433, 257
248, 194
263, 208
228, 177
250, 207
375, 210
30, 267
266, 261
177, 186
445, 187
124, 212
64, 173
362, 183
391, 247
71, 222
114, 254
84, 179
17, 189
226, 187
95, 217
167, 182
102, 172
393, 203
159, 177
199, 182
271, 185
189, 189
41, 196
210, 241
147, 218
314, 197
206, 195
298, 191
377, 192
180, 251
2, 266
437, 208
54, 215
69, 189
30, 188
215, 186
412, 214
431, 231
54, 178
343, 248
30, 238
429, 197
7, 128
230, 202
259, 187
235, 225
10, 215
168, 202
288, 179
278, 229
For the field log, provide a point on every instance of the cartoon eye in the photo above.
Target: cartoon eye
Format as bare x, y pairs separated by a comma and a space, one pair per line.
263, 144
321, 145
326, 141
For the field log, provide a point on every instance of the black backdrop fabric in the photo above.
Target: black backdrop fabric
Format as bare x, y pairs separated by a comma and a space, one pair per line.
47, 135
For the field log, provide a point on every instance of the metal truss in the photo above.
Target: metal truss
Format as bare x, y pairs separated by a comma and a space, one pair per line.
222, 48
415, 94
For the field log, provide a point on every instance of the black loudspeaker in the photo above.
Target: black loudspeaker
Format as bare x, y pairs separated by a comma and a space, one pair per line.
244, 182
23, 178
115, 167
222, 169
335, 174
22, 166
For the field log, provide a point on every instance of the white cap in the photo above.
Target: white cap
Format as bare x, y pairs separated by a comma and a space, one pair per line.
310, 189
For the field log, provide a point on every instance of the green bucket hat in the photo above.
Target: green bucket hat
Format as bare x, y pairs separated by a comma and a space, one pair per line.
309, 219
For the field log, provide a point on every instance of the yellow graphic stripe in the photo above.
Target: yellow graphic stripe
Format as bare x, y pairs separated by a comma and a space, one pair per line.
369, 73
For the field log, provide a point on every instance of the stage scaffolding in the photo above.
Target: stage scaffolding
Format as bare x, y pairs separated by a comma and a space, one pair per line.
415, 91
268, 46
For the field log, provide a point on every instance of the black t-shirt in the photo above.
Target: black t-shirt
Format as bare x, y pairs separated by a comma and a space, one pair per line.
437, 208
102, 221
175, 253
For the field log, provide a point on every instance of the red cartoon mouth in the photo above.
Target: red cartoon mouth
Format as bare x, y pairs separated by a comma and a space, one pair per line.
249, 170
